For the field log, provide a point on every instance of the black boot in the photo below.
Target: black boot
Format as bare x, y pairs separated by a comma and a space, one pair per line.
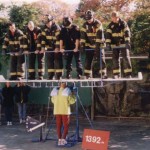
58, 76
13, 78
31, 76
50, 77
68, 76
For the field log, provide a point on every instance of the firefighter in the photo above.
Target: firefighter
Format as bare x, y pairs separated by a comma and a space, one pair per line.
50, 42
92, 38
13, 42
118, 34
31, 37
69, 40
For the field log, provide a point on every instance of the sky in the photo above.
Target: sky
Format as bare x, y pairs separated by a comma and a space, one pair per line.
30, 1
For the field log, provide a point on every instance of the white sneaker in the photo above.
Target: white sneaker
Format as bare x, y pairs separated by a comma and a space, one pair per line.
7, 123
10, 123
63, 142
21, 121
59, 142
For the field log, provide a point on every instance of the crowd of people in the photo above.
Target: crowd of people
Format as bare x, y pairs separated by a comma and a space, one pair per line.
53, 42
61, 97
14, 94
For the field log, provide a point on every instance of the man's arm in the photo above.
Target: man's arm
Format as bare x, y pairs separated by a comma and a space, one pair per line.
83, 38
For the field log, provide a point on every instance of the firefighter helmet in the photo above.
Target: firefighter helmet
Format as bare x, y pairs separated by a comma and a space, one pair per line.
88, 15
47, 18
67, 21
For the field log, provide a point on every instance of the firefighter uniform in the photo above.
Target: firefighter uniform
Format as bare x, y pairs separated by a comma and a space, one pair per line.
50, 39
118, 34
92, 38
69, 35
13, 42
32, 40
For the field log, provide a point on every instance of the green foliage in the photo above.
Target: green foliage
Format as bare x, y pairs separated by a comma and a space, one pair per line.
3, 29
140, 28
22, 14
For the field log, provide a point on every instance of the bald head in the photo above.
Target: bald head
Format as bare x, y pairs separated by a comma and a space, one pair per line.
31, 25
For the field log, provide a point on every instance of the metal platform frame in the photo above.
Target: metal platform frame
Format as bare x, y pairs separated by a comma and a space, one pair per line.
92, 82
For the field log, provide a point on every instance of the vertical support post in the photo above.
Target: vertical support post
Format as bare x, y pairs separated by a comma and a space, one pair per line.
0, 115
100, 59
26, 68
47, 115
41, 131
92, 105
77, 113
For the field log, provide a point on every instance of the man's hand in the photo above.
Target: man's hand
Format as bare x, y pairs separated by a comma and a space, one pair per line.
17, 54
75, 50
37, 51
62, 50
56, 50
26, 52
42, 51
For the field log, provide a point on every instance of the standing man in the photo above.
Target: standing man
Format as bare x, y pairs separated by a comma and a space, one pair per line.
62, 98
31, 37
8, 95
118, 34
13, 42
69, 40
21, 98
50, 42
92, 38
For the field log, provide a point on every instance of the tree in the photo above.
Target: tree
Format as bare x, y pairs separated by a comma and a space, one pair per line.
103, 8
140, 27
21, 15
55, 8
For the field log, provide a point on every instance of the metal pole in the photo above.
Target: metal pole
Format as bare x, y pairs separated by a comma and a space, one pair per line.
92, 105
26, 68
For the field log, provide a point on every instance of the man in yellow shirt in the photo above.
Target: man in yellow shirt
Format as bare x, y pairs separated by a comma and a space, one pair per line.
62, 98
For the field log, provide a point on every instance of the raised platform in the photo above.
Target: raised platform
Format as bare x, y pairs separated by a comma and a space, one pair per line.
92, 82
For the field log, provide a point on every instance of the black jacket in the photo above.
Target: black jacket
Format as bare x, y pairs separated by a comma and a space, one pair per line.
21, 94
13, 42
69, 36
8, 95
31, 39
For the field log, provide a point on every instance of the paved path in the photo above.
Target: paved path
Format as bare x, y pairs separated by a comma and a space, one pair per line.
125, 135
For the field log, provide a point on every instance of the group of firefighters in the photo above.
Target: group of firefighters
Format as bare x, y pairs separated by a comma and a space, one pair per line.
54, 41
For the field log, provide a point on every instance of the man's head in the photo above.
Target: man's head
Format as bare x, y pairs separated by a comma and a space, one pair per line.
63, 85
48, 20
7, 84
115, 16
12, 27
31, 25
89, 16
67, 21
20, 84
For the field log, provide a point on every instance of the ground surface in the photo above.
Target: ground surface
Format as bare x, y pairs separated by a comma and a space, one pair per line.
125, 135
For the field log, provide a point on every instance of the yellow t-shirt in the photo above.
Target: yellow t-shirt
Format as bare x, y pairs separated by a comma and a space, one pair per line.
62, 102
